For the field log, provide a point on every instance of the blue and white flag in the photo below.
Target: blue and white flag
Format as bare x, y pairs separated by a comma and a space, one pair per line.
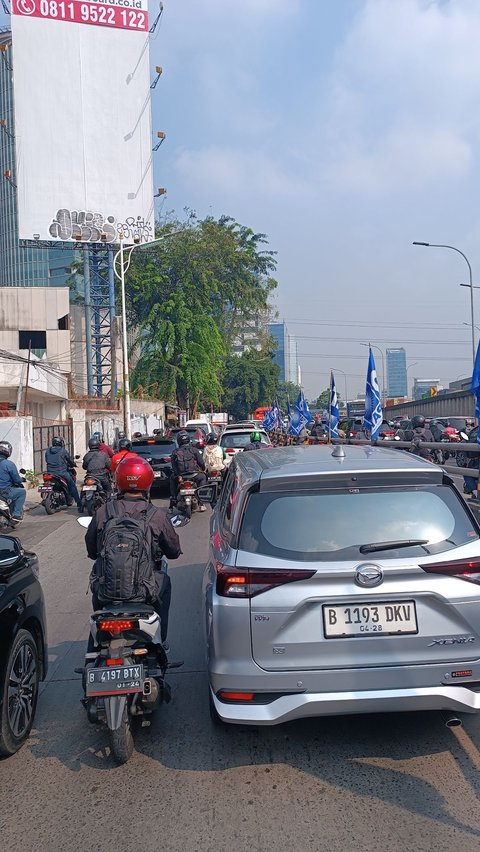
269, 420
333, 413
373, 417
476, 388
299, 416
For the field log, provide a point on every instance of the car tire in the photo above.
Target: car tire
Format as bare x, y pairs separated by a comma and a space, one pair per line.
20, 693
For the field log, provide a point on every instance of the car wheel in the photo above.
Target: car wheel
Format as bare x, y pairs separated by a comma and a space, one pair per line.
20, 693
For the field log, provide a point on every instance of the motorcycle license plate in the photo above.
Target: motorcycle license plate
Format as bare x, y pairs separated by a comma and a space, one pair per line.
89, 488
187, 492
115, 680
44, 489
214, 479
158, 474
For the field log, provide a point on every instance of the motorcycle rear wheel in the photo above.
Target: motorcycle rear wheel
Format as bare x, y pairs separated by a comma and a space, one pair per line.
48, 504
121, 740
188, 510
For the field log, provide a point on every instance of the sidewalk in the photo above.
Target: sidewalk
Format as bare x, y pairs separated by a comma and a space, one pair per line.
33, 499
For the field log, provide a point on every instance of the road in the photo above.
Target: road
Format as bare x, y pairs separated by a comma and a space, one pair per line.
389, 782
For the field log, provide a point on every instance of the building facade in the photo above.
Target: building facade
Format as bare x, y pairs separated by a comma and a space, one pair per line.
286, 355
396, 372
423, 388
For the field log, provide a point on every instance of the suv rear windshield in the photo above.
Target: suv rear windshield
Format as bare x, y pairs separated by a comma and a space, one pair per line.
159, 448
238, 440
331, 526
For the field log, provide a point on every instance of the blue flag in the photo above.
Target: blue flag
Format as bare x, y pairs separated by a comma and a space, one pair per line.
269, 420
299, 415
333, 413
373, 417
476, 388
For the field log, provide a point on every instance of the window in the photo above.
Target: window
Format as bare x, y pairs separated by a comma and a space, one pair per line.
35, 339
64, 323
332, 525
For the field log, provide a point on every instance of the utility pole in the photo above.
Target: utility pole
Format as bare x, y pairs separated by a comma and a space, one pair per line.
28, 374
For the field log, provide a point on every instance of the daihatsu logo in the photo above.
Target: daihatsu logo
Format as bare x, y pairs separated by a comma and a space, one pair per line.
368, 575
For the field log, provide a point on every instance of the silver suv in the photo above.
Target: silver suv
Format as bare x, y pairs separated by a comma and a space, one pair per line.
341, 580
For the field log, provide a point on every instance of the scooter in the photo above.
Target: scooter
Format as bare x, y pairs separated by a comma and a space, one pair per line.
187, 500
92, 495
6, 519
123, 676
215, 479
54, 491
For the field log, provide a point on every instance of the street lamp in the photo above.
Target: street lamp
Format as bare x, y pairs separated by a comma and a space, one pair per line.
440, 245
338, 370
413, 364
121, 264
374, 346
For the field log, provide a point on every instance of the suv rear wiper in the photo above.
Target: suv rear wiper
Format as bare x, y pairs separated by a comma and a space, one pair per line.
390, 545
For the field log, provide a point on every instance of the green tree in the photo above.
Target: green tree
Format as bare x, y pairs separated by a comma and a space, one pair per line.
249, 381
187, 295
323, 400
286, 391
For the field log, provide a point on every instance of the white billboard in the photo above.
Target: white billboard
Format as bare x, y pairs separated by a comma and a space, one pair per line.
82, 120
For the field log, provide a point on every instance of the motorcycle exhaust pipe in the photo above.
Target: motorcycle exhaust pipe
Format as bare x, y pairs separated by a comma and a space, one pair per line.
150, 691
453, 722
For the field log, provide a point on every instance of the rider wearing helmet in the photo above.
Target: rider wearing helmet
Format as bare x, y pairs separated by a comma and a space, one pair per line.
186, 460
98, 464
134, 479
102, 445
58, 462
214, 456
418, 433
11, 486
255, 442
124, 452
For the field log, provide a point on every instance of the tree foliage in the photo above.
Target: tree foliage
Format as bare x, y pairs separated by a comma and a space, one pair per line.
323, 401
286, 391
249, 381
188, 296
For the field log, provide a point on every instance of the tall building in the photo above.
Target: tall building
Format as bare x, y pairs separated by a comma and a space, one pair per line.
286, 355
20, 266
396, 372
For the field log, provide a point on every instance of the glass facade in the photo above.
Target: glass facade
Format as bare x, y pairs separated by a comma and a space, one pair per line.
396, 373
20, 266
286, 355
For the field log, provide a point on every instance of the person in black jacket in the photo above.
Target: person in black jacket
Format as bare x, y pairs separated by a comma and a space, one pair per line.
58, 462
186, 460
134, 479
97, 463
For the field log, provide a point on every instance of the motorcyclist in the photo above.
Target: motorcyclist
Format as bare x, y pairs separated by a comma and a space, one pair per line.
417, 434
214, 456
124, 452
11, 485
97, 463
186, 459
58, 462
134, 479
255, 442
103, 447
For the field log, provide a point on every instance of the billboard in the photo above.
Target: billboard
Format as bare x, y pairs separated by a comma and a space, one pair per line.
82, 120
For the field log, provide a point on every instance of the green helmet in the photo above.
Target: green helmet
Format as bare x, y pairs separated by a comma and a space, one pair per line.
255, 437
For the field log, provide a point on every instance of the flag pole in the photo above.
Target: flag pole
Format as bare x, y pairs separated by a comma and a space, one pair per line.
330, 411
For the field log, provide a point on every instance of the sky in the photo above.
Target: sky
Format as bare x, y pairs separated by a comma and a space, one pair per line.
344, 130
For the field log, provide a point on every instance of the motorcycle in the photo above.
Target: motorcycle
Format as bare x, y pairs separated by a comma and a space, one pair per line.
92, 495
123, 677
187, 500
55, 492
215, 478
6, 519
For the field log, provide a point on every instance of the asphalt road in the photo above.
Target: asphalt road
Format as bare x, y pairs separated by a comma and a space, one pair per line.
390, 782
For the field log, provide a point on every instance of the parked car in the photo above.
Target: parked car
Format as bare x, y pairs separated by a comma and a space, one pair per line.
235, 440
340, 582
23, 649
158, 451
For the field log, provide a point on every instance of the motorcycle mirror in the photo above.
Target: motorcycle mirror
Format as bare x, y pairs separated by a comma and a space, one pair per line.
77, 457
463, 436
22, 470
84, 522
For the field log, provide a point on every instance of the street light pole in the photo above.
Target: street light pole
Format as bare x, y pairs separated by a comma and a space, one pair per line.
470, 284
374, 346
338, 370
121, 263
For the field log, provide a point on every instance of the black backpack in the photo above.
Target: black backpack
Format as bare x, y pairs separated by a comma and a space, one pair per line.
187, 461
124, 570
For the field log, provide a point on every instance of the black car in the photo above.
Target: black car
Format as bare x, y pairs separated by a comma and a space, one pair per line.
158, 452
23, 643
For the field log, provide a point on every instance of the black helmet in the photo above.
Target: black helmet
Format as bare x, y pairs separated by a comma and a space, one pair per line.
183, 438
5, 449
418, 422
93, 443
124, 444
212, 439
57, 441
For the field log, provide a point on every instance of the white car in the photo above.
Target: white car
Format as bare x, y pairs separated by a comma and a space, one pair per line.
234, 441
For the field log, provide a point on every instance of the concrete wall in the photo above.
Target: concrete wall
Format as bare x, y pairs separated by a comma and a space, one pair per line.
145, 417
18, 430
460, 403
38, 309
47, 388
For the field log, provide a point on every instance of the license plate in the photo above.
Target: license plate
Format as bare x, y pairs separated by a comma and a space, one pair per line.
214, 479
45, 488
114, 680
157, 474
369, 619
186, 492
89, 488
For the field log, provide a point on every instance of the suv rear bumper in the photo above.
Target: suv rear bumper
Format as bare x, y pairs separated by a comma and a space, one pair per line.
301, 705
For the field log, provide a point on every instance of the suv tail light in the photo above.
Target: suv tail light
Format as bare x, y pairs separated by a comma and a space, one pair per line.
463, 569
246, 583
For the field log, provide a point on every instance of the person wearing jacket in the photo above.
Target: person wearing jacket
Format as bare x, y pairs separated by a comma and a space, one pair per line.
417, 434
255, 442
214, 456
11, 485
134, 479
97, 464
124, 452
102, 446
186, 459
58, 462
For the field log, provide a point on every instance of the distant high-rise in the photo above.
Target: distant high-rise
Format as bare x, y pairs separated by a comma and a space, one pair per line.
396, 373
286, 355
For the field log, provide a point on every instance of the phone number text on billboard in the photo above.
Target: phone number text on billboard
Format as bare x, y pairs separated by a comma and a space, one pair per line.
120, 15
